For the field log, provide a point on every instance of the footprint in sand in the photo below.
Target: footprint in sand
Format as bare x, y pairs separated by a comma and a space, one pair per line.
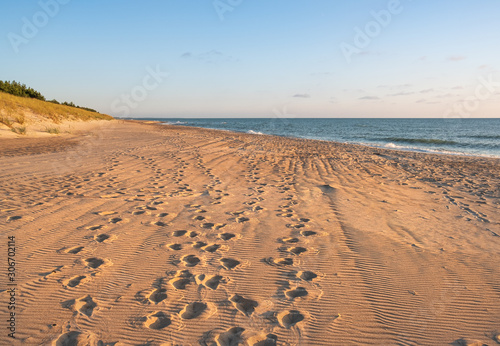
179, 233
14, 218
308, 233
95, 227
226, 236
157, 296
242, 219
288, 319
290, 240
181, 279
115, 220
211, 248
94, 262
296, 293
263, 340
231, 337
101, 238
229, 263
75, 281
74, 250
243, 305
198, 244
157, 320
297, 225
75, 338
199, 218
284, 261
212, 225
85, 305
192, 310
175, 247
162, 215
297, 250
209, 281
307, 275
190, 260
237, 213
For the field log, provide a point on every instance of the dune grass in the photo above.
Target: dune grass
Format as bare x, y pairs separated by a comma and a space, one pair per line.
52, 130
20, 130
13, 108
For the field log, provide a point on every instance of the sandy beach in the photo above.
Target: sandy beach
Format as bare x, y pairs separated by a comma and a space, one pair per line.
145, 234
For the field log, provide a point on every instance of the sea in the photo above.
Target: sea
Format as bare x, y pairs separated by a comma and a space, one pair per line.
475, 137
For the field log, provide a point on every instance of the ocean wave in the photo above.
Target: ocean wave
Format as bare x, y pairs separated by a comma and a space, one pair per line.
175, 122
252, 132
420, 140
416, 149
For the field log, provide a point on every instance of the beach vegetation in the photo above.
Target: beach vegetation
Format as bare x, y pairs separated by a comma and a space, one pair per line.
20, 119
18, 89
20, 130
21, 90
16, 108
52, 130
6, 121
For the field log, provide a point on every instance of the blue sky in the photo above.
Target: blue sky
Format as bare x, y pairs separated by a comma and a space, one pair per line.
258, 58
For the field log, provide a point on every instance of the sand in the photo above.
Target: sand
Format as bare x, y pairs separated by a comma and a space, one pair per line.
143, 234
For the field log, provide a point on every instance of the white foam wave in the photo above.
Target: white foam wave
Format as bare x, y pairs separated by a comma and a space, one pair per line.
175, 122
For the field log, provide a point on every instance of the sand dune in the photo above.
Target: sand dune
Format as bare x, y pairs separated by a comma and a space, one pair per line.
141, 234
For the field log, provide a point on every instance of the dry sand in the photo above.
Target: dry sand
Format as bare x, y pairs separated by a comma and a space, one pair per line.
142, 234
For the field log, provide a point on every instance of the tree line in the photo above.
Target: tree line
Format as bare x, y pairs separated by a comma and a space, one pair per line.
18, 89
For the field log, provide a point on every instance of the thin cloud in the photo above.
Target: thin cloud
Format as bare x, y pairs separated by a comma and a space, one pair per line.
304, 96
405, 93
426, 91
369, 98
426, 102
456, 58
399, 86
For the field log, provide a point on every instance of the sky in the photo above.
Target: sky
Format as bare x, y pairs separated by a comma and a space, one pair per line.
258, 58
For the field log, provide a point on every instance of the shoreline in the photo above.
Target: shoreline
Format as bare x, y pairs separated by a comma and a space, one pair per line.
180, 235
417, 150
365, 145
